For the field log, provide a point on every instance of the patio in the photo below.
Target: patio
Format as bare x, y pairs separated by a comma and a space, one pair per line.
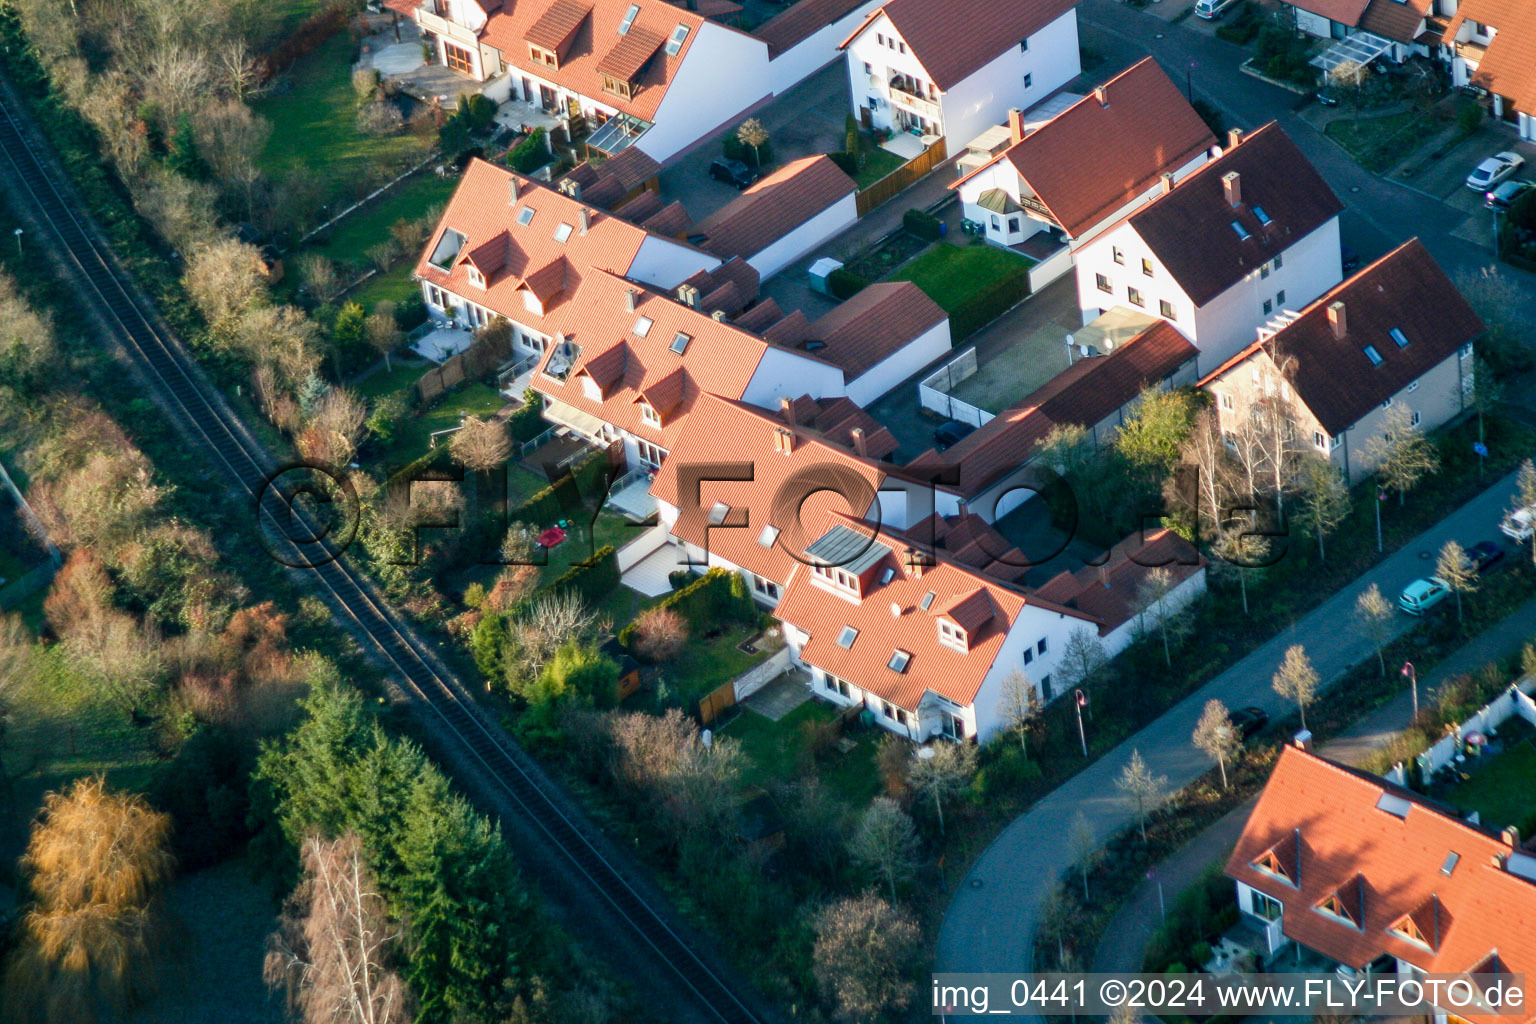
443, 342
649, 575
1498, 785
908, 146
400, 62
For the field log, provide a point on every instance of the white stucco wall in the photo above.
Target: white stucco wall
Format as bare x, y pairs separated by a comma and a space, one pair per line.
666, 264
983, 99
1119, 638
816, 50
723, 73
783, 373
1313, 24
829, 222
885, 375
1032, 625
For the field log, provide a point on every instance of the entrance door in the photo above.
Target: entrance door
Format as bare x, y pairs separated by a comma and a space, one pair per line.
547, 98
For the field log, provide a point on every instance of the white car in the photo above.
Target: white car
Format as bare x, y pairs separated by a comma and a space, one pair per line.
1519, 524
1494, 170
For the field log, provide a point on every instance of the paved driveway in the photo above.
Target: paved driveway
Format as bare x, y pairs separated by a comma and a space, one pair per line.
991, 922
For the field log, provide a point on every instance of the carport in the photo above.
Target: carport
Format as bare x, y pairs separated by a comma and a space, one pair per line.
1360, 48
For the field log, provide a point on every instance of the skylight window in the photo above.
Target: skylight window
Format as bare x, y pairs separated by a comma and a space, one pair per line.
846, 638
1242, 232
899, 661
1450, 863
563, 232
768, 536
718, 512
1399, 337
1393, 804
1373, 355
525, 216
643, 326
629, 19
680, 343
675, 43
1258, 211
928, 600
887, 576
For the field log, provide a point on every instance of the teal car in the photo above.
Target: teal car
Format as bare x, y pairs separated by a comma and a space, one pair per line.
1420, 596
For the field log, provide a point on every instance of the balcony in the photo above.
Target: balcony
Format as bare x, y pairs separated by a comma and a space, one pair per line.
1473, 52
912, 101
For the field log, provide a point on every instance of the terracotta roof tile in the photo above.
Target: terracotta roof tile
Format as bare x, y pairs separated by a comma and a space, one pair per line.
774, 206
1346, 12
801, 21
1509, 65
1396, 19
1111, 593
1405, 290
1345, 824
1093, 158
874, 324
741, 276
631, 167
1091, 390
955, 39
671, 221
558, 24
630, 54
972, 542
760, 317
1273, 176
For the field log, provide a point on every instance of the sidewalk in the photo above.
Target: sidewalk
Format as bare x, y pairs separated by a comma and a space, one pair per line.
991, 922
1126, 937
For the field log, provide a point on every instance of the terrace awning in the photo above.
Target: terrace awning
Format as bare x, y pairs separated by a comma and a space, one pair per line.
1360, 48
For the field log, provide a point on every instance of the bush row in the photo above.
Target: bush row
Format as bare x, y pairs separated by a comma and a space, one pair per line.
593, 578
923, 224
716, 596
987, 306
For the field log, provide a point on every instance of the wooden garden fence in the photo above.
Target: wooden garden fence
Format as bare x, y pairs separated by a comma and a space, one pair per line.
907, 174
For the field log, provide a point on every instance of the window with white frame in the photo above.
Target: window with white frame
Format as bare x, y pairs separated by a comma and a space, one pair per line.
1320, 439
1414, 419
767, 588
649, 415
1226, 401
650, 454
1413, 387
951, 635
1104, 284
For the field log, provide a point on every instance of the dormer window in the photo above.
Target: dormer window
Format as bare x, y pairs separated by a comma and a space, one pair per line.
676, 40
649, 415
532, 304
618, 87
838, 577
1405, 928
899, 661
539, 55
475, 277
951, 635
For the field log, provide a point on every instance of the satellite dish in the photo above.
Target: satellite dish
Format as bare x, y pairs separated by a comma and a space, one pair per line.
895, 610
707, 738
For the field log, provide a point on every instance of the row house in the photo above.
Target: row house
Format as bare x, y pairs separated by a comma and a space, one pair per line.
1491, 46
1337, 869
1397, 333
783, 216
953, 69
1091, 164
1268, 231
1402, 26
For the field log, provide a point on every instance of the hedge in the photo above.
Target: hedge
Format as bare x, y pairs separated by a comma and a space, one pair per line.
530, 154
309, 36
1006, 293
564, 497
593, 578
846, 162
706, 600
528, 422
922, 224
845, 284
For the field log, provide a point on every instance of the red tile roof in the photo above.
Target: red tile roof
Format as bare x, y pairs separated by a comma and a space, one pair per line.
1396, 19
721, 431
953, 40
1272, 175
773, 207
1346, 12
594, 43
1112, 593
1089, 391
632, 167
730, 287
1332, 822
955, 675
972, 542
874, 324
631, 53
558, 23
801, 21
1404, 290
1093, 158
1509, 65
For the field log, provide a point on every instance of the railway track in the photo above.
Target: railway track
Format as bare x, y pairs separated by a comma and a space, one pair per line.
103, 284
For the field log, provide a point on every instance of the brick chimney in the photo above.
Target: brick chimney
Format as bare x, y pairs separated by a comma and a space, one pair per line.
631, 296
783, 440
1232, 186
1015, 124
1234, 137
1167, 182
586, 219
1102, 96
688, 295
787, 411
859, 446
1337, 320
511, 191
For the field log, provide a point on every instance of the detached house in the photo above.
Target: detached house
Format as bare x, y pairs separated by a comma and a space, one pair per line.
1090, 165
1218, 252
1339, 870
953, 69
1491, 45
1397, 333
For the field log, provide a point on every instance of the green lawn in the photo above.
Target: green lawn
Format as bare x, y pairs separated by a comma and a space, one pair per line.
776, 752
412, 440
400, 376
877, 164
1504, 791
1380, 142
316, 128
952, 275
709, 662
396, 286
355, 233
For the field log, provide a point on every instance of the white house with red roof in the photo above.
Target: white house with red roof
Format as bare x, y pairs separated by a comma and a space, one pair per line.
1491, 45
1335, 866
952, 70
1091, 164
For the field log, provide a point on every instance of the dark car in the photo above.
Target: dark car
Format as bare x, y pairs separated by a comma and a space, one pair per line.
1503, 197
951, 432
1348, 258
1248, 721
732, 172
1328, 97
1485, 553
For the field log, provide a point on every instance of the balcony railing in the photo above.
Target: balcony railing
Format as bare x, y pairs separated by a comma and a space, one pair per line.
1471, 51
1036, 207
921, 104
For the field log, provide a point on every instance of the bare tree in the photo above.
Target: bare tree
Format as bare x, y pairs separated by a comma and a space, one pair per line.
1525, 496
335, 430
480, 445
1085, 848
239, 67
27, 345
231, 139
383, 254
1375, 616
1297, 680
1215, 736
1082, 658
223, 278
661, 633
752, 133
1275, 424
319, 276
1019, 707
864, 956
1401, 453
1241, 554
1141, 787
1325, 501
885, 841
383, 333
18, 665
1206, 453
332, 951
550, 623
1486, 394
943, 773
1154, 591
1456, 569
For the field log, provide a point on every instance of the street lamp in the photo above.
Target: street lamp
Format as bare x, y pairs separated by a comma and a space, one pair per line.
1381, 496
1162, 907
1079, 701
18, 233
1189, 87
1413, 679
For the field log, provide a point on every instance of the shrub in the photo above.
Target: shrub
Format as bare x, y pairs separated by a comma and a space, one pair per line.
844, 283
530, 154
982, 309
527, 422
922, 224
660, 633
381, 117
677, 579
593, 578
1469, 118
846, 162
365, 82
703, 604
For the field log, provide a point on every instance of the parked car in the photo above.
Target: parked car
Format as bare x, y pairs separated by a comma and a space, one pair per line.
1503, 197
1420, 596
1485, 553
1494, 170
951, 432
1517, 525
732, 172
1348, 258
1248, 721
1328, 97
1210, 10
